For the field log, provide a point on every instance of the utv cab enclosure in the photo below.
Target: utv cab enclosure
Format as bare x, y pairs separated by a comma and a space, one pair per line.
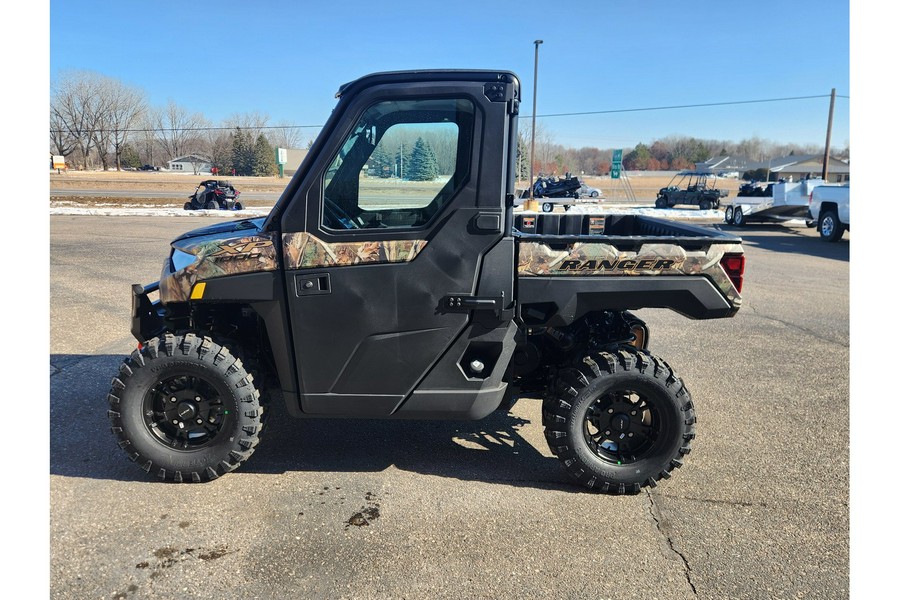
374, 290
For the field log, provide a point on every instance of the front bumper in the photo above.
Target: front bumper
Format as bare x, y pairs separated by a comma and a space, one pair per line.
146, 315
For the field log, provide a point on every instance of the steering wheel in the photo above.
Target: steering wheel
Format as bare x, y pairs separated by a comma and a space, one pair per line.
338, 217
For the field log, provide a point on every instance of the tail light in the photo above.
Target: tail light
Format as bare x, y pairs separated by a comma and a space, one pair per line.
219, 192
734, 268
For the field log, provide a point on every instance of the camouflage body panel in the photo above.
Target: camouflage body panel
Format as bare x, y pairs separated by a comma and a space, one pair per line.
305, 251
593, 259
216, 256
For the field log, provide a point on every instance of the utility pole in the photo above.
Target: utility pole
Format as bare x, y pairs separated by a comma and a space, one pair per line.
530, 196
828, 138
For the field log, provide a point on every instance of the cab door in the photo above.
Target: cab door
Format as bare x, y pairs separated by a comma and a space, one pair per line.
391, 223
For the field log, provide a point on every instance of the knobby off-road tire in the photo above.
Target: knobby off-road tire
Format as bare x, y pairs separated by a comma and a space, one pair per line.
619, 421
211, 205
662, 202
184, 408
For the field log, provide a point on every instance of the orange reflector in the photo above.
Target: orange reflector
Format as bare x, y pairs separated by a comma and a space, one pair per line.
197, 292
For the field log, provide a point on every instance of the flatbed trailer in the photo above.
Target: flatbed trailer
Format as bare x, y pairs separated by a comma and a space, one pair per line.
788, 201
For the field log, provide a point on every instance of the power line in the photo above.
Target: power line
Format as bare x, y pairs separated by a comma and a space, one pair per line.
731, 103
571, 114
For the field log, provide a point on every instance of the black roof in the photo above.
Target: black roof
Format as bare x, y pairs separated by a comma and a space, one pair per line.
430, 75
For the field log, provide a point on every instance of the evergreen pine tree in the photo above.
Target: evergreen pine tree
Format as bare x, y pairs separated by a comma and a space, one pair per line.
422, 162
241, 153
380, 163
264, 157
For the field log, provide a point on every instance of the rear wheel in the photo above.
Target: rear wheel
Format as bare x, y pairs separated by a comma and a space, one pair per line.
705, 205
184, 408
211, 205
547, 207
619, 421
739, 217
238, 206
830, 227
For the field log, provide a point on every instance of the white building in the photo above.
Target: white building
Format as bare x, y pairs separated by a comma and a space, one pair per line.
192, 163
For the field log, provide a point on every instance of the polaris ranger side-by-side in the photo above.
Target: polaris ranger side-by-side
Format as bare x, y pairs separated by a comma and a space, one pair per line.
365, 295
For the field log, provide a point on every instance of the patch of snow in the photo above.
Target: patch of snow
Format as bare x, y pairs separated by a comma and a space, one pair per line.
156, 211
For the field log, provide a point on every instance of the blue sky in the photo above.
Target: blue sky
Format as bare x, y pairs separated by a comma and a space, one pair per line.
287, 59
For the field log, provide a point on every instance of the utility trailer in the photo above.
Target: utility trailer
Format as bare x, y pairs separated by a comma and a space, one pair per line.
776, 203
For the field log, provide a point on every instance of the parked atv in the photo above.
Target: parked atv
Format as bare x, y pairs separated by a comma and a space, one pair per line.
551, 187
693, 187
214, 194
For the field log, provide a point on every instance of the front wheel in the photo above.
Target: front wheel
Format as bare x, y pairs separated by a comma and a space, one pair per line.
184, 408
211, 205
547, 207
188, 206
619, 421
705, 205
739, 219
238, 206
729, 215
830, 227
662, 202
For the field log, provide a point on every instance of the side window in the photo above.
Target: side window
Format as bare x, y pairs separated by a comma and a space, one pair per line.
401, 164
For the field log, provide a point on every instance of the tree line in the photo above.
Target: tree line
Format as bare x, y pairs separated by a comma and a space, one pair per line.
673, 153
99, 122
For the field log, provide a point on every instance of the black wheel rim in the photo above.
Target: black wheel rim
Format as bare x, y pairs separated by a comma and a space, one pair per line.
185, 412
623, 426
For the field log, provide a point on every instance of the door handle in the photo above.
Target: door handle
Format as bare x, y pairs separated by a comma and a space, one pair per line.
312, 285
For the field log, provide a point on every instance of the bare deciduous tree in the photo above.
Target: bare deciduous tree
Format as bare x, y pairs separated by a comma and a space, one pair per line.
178, 130
74, 106
285, 135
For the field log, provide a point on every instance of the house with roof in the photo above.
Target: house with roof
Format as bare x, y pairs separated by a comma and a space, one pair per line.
802, 166
793, 167
194, 164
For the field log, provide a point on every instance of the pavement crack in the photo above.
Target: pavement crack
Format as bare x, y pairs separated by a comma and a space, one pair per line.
790, 325
656, 519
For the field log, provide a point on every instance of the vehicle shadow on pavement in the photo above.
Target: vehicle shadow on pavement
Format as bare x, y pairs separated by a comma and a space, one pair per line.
492, 450
793, 241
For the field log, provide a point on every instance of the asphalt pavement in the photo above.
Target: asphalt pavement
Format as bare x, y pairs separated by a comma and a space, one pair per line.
384, 509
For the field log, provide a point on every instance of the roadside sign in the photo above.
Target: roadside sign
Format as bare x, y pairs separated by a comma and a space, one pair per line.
615, 172
617, 157
281, 156
59, 162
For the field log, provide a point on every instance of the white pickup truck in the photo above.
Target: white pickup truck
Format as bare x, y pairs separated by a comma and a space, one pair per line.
829, 209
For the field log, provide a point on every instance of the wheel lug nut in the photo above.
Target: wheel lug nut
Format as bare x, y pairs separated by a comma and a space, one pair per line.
174, 421
634, 412
607, 432
196, 398
630, 435
172, 399
199, 421
610, 411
